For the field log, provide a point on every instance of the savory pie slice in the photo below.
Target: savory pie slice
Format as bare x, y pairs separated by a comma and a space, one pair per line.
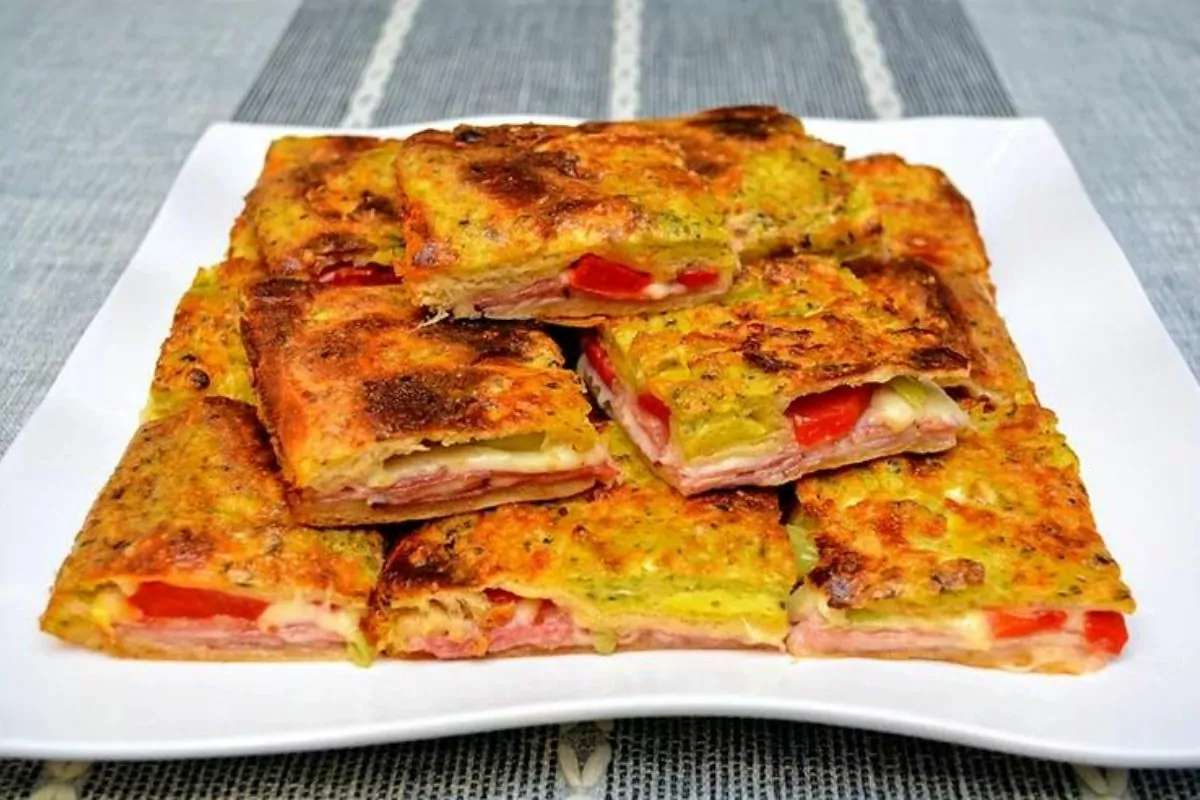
928, 221
530, 221
189, 553
801, 367
633, 565
777, 186
203, 354
327, 209
986, 554
380, 415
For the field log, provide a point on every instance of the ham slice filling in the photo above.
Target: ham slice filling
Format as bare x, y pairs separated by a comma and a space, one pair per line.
444, 484
226, 634
542, 626
869, 438
812, 635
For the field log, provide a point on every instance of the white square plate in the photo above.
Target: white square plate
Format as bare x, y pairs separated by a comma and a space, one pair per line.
1099, 355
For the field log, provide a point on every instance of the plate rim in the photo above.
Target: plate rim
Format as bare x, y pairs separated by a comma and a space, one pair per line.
658, 704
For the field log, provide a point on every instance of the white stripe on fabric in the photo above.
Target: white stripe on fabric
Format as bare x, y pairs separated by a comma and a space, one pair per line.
368, 95
868, 53
586, 780
626, 60
1101, 784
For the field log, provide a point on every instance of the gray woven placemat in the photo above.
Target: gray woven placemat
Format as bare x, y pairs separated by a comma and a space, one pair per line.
99, 105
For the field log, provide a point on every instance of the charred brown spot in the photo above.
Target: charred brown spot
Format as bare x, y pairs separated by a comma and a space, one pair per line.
275, 290
706, 162
425, 399
739, 501
337, 243
468, 135
752, 354
753, 123
347, 145
925, 466
486, 339
274, 307
522, 179
375, 205
199, 379
557, 213
765, 361
514, 182
416, 568
957, 574
840, 370
866, 268
839, 572
937, 358
349, 340
307, 178
186, 547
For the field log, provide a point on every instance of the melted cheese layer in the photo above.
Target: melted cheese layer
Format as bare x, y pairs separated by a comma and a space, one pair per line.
481, 458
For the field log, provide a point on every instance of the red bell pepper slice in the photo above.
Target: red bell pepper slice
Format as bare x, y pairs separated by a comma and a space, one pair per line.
599, 360
818, 418
695, 279
1011, 626
164, 600
603, 278
1105, 630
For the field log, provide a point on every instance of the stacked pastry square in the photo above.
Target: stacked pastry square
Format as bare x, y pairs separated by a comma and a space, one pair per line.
370, 432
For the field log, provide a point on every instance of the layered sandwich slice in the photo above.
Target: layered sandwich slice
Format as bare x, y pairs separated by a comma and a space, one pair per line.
633, 565
777, 186
379, 414
327, 209
530, 221
189, 552
802, 367
986, 555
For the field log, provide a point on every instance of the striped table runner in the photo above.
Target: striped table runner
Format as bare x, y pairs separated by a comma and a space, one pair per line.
94, 131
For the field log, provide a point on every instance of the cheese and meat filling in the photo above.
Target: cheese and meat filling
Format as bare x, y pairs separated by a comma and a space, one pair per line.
802, 366
189, 552
632, 565
986, 554
327, 209
777, 186
379, 414
548, 222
